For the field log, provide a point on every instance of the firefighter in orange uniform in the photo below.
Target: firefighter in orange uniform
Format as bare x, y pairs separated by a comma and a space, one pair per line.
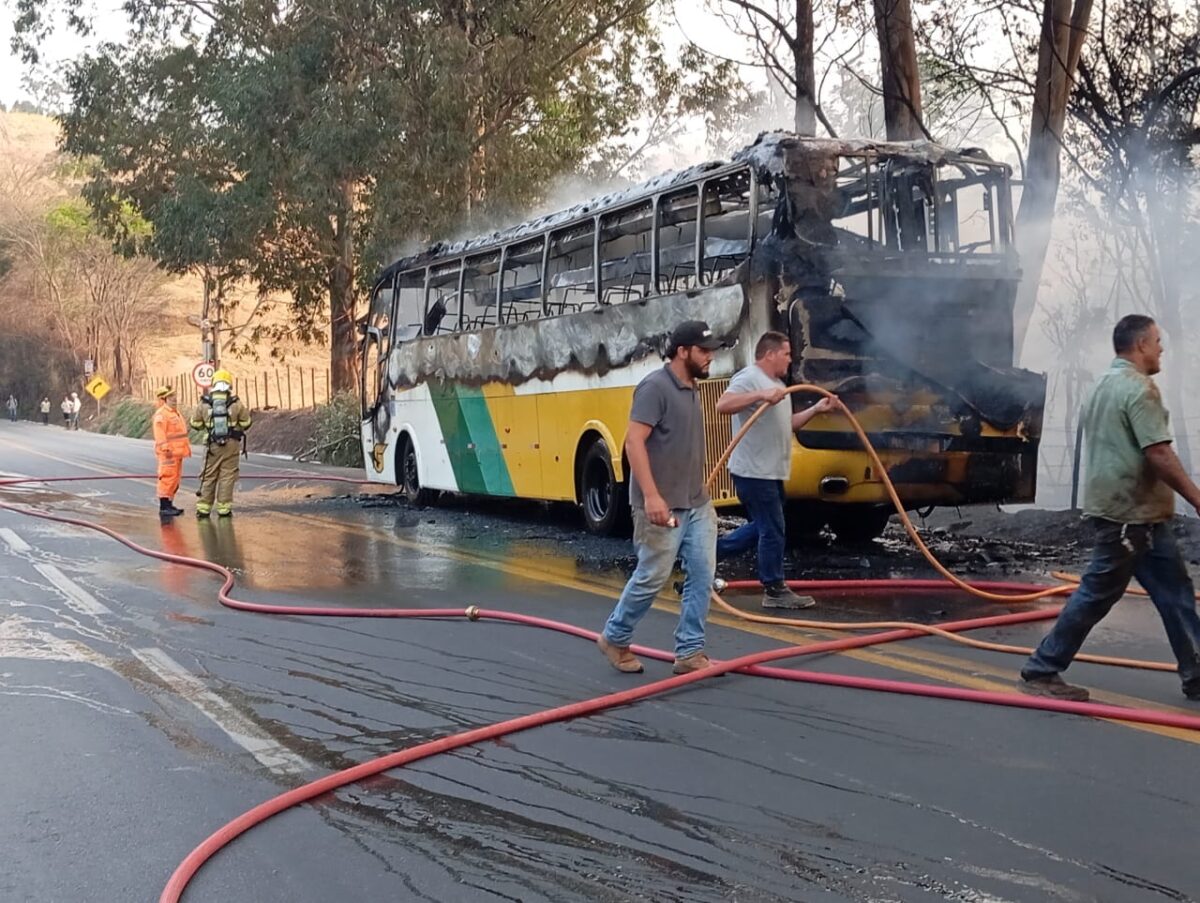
171, 446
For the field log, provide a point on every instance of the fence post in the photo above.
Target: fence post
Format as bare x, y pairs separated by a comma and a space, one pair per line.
289, 382
266, 390
328, 397
312, 379
302, 403
279, 387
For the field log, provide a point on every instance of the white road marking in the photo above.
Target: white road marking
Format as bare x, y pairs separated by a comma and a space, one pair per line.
15, 543
21, 637
236, 726
83, 600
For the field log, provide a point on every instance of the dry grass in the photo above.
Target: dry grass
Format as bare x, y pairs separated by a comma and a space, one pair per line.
30, 141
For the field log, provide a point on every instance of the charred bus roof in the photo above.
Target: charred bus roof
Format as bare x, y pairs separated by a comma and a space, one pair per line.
771, 157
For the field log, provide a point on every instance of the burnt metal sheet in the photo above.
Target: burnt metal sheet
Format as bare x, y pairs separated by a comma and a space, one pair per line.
594, 341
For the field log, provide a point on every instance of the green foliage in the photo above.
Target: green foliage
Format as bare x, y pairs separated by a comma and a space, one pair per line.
127, 417
298, 144
31, 367
337, 437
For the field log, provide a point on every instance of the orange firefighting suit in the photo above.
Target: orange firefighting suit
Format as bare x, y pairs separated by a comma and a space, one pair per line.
171, 446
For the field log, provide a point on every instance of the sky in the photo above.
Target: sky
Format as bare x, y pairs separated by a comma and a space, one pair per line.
699, 24
64, 45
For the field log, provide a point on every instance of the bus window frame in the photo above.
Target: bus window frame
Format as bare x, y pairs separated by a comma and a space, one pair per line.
677, 192
429, 284
482, 255
398, 279
541, 311
604, 221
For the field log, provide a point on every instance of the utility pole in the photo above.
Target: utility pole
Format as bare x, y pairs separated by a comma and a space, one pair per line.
210, 318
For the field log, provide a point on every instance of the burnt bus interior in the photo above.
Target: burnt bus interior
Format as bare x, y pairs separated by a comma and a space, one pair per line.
694, 235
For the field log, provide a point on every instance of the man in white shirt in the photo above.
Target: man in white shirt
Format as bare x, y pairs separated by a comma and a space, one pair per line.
762, 462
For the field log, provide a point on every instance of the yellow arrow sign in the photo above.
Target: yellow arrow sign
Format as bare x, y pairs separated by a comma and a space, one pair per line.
98, 388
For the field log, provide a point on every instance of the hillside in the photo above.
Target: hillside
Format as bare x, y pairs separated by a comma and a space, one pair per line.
28, 142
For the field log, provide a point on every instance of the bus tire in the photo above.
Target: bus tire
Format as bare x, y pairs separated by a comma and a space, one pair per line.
408, 474
859, 523
602, 498
803, 523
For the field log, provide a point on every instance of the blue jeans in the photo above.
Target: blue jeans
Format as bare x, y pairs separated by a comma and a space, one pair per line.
693, 542
1145, 551
763, 501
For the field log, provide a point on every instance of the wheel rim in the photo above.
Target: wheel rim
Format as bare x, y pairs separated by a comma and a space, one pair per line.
412, 482
597, 494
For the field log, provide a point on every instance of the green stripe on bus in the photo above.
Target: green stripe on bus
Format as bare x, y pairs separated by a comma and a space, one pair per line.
456, 436
471, 441
488, 454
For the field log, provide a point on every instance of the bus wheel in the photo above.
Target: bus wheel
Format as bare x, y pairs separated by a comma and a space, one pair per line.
605, 502
860, 523
803, 523
410, 478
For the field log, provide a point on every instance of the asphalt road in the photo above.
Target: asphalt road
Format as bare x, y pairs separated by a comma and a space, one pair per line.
140, 716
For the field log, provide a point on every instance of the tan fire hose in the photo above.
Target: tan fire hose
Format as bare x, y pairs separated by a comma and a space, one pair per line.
1070, 581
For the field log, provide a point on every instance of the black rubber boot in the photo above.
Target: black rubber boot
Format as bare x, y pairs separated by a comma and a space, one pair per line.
167, 509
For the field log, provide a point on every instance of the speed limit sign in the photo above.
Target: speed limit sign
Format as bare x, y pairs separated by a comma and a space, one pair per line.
202, 374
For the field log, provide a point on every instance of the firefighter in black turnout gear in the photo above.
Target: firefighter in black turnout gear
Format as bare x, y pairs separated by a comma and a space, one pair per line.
224, 420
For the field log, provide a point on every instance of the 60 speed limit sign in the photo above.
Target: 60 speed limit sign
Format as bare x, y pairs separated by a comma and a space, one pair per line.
202, 374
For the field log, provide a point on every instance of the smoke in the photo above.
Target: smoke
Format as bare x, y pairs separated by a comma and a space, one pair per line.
1128, 250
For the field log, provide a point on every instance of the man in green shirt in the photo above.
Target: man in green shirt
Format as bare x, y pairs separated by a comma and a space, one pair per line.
1129, 499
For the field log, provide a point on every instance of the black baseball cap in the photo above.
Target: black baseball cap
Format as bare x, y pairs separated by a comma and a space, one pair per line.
695, 333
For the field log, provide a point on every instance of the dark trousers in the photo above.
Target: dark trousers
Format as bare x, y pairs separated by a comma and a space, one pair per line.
765, 530
1122, 552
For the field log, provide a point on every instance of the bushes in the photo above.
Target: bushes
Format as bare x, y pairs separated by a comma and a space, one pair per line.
127, 417
337, 433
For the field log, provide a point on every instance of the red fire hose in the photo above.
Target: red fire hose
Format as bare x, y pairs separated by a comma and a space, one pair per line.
755, 664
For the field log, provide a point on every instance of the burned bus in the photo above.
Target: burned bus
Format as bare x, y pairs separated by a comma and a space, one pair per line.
504, 365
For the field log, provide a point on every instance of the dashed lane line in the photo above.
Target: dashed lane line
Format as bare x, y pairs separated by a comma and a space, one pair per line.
240, 729
83, 600
15, 543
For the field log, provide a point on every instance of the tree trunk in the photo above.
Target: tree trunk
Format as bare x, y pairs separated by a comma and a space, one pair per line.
1063, 31
343, 362
901, 77
806, 81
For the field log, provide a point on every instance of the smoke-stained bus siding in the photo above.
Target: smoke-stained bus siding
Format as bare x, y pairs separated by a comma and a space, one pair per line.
504, 365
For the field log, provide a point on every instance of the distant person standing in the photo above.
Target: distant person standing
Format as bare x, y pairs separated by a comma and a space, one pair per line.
673, 516
762, 462
45, 408
66, 407
171, 446
11, 405
76, 407
1129, 501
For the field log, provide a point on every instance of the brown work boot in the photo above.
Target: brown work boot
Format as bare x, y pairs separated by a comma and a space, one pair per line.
697, 661
1053, 687
780, 595
619, 656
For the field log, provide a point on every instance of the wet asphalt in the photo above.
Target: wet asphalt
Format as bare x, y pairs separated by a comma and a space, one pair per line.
140, 716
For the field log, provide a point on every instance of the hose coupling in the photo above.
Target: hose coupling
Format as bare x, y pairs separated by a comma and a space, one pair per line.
472, 612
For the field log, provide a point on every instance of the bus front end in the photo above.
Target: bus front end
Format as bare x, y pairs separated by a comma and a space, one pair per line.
892, 269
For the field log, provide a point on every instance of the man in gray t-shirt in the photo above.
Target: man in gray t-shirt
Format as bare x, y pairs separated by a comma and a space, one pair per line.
673, 516
762, 462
